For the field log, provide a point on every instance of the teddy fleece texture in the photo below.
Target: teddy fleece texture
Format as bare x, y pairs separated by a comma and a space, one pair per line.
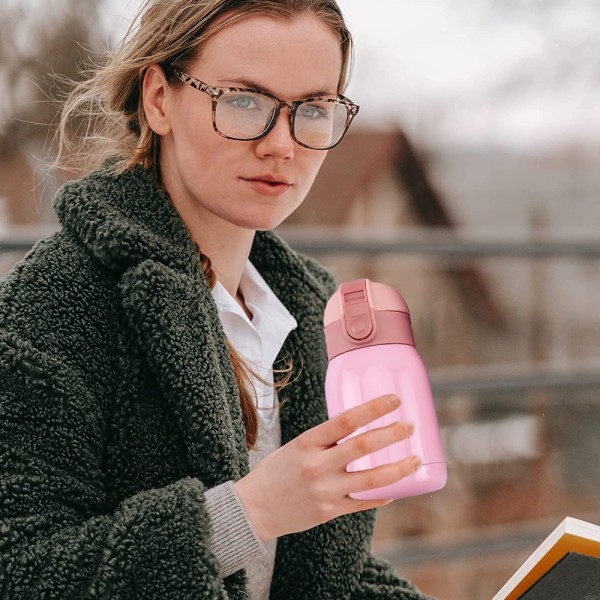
119, 408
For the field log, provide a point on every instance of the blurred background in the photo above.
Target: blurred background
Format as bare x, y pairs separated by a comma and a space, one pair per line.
470, 182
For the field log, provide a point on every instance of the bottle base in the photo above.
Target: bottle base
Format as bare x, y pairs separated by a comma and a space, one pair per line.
430, 477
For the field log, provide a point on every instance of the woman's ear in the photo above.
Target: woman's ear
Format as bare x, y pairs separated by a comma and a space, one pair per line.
155, 93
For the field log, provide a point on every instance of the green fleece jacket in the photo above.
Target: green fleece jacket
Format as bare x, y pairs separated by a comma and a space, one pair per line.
119, 408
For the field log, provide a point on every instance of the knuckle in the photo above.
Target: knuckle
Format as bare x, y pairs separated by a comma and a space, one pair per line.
310, 470
369, 482
324, 512
347, 422
363, 445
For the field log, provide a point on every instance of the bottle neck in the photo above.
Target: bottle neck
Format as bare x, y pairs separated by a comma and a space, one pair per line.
390, 327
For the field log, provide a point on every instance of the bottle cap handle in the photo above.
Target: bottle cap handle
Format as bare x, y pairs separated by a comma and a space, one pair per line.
357, 314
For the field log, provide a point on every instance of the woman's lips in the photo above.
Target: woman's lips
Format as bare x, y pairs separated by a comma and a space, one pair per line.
267, 186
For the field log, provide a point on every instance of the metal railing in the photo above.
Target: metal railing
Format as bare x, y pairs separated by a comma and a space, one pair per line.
483, 541
443, 245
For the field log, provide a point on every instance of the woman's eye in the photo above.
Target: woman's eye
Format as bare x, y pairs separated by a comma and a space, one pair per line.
312, 111
243, 101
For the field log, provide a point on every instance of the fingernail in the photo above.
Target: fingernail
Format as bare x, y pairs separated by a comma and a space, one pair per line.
410, 429
394, 400
417, 462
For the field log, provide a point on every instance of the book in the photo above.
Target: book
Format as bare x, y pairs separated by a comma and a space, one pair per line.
565, 566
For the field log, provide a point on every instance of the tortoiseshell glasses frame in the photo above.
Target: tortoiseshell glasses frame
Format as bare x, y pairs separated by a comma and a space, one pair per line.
322, 123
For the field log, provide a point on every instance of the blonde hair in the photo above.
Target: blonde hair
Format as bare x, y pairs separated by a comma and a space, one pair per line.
103, 119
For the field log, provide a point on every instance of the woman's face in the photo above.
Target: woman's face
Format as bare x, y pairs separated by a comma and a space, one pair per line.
233, 180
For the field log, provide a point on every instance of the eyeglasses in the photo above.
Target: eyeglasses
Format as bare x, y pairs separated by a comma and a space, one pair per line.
247, 114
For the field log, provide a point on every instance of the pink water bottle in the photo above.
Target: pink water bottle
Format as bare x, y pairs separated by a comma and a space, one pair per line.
371, 353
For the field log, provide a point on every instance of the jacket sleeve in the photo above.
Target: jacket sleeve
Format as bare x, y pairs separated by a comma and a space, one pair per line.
379, 581
58, 539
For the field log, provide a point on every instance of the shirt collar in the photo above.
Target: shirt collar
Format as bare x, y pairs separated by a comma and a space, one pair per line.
271, 320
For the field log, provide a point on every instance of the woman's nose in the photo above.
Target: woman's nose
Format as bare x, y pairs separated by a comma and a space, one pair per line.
279, 141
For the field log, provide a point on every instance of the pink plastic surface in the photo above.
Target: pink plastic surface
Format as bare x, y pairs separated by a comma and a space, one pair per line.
360, 375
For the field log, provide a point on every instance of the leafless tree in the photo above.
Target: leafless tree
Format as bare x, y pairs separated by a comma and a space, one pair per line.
42, 45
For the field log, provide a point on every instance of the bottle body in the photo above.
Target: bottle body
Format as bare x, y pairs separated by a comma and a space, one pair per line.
365, 373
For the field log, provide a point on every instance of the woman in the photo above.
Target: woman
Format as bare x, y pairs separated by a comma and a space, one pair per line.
134, 461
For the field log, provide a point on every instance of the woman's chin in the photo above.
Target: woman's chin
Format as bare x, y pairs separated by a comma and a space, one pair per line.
264, 223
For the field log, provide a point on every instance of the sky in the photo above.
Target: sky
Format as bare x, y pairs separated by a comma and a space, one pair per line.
472, 74
517, 73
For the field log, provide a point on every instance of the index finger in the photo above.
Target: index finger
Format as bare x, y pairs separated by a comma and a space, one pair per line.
342, 425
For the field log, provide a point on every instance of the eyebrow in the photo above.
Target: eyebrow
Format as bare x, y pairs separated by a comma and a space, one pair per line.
252, 84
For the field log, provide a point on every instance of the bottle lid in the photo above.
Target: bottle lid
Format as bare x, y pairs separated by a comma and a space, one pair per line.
379, 296
365, 313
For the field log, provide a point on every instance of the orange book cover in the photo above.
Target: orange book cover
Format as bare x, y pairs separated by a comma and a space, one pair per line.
571, 536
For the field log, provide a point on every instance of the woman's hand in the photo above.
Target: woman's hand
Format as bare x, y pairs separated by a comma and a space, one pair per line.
305, 482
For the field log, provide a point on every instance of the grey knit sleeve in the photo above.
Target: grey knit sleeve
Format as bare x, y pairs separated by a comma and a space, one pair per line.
233, 539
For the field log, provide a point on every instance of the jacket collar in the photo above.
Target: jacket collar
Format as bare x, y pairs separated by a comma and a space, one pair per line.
125, 219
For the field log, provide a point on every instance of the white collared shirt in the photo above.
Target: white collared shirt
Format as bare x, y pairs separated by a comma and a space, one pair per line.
258, 340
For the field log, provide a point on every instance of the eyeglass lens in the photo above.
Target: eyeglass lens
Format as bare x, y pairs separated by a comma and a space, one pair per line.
245, 115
